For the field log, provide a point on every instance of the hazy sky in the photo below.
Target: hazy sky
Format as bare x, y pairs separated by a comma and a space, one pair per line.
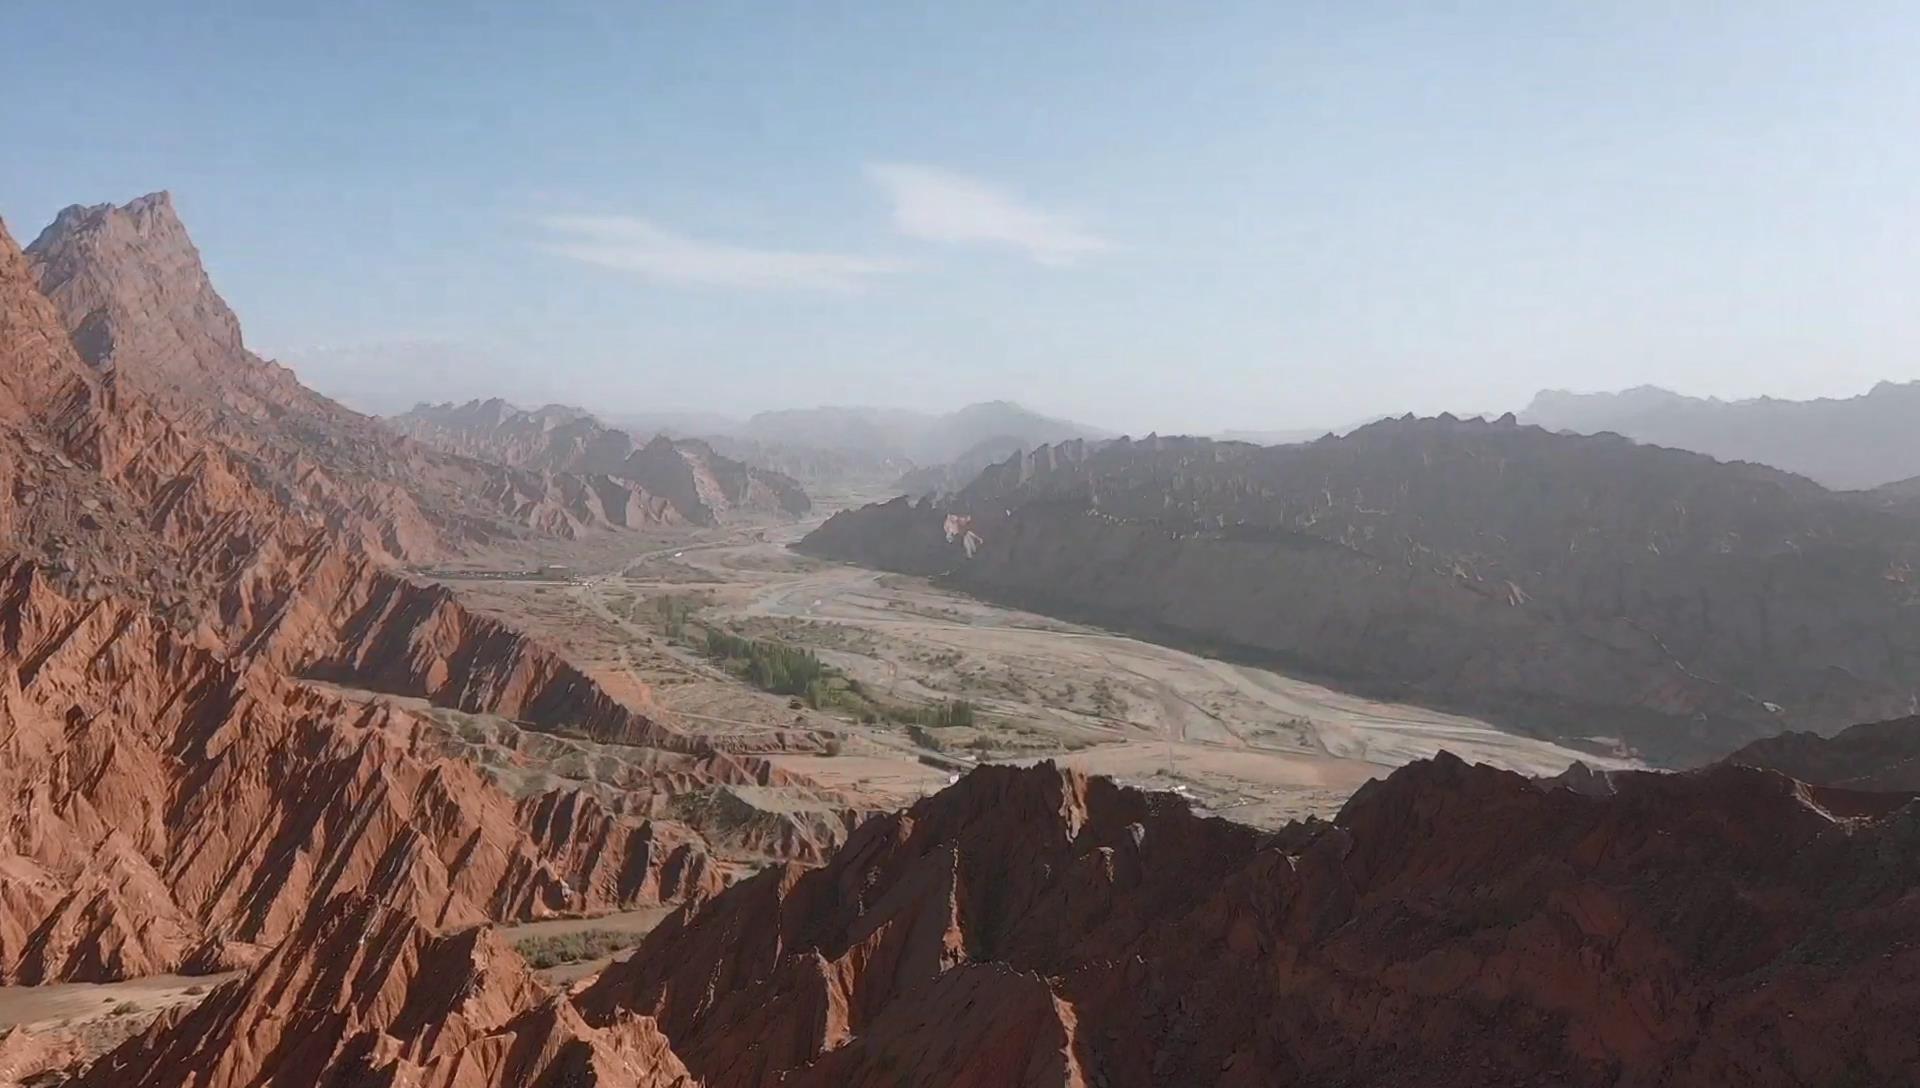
1147, 216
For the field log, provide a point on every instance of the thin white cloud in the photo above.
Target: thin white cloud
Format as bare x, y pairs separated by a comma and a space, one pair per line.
941, 206
637, 245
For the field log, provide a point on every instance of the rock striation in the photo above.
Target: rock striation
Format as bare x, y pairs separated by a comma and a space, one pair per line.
192, 539
115, 495
174, 811
1562, 585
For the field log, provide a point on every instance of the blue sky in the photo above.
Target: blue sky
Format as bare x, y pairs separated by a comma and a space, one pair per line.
1165, 216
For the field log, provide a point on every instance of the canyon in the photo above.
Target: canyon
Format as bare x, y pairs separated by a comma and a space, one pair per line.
305, 715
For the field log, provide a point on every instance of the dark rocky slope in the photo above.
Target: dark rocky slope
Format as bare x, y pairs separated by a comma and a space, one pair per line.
1568, 586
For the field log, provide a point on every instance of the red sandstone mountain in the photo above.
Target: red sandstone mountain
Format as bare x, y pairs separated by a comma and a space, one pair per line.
176, 811
1454, 925
699, 484
1561, 585
181, 798
129, 287
179, 795
362, 994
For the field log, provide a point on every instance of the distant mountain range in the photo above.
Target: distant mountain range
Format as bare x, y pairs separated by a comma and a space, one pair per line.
919, 437
1849, 443
868, 445
699, 484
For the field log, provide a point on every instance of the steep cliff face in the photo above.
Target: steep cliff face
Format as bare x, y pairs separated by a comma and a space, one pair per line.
176, 811
685, 475
1562, 585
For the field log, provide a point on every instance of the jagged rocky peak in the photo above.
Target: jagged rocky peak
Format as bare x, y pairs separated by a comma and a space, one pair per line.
132, 286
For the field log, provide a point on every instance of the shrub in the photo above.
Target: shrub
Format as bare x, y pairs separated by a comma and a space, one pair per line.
586, 944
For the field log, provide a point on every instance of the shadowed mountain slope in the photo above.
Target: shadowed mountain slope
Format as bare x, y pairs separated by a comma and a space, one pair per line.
1564, 586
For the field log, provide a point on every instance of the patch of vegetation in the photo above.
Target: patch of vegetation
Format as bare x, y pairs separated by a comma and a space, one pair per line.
790, 670
587, 944
125, 1008
947, 714
672, 611
769, 666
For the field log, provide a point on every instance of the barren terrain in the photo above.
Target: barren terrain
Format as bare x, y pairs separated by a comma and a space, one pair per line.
1261, 745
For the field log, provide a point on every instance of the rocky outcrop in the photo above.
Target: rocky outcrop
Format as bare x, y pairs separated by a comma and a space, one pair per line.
28, 1058
362, 994
683, 475
1454, 925
1560, 585
1881, 756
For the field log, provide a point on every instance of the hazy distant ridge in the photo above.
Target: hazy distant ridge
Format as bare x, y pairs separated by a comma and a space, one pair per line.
1851, 442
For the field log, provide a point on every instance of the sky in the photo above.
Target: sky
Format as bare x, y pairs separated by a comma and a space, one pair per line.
1172, 217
